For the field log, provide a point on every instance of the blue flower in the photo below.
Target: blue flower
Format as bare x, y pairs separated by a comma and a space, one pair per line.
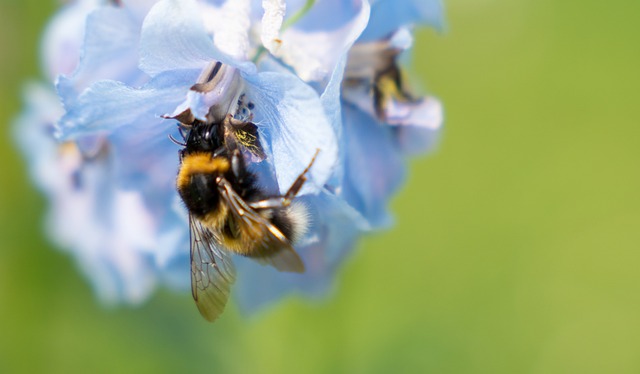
109, 230
382, 122
88, 215
175, 48
125, 71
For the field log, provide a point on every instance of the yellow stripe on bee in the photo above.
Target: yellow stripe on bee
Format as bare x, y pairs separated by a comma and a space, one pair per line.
390, 89
216, 219
200, 163
249, 237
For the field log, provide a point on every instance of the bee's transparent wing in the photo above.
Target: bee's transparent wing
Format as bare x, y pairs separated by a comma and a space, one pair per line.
273, 247
212, 272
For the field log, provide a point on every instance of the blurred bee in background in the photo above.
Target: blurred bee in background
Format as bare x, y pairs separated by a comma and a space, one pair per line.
373, 66
229, 213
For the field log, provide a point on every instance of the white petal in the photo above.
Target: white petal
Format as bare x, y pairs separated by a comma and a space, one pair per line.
274, 11
419, 130
425, 113
229, 25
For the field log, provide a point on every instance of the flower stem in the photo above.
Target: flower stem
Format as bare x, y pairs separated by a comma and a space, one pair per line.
296, 17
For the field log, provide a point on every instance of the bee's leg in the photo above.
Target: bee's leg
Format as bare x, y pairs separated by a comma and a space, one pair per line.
181, 155
237, 164
219, 152
283, 201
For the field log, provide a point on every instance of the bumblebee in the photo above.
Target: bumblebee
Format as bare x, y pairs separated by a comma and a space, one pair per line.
229, 213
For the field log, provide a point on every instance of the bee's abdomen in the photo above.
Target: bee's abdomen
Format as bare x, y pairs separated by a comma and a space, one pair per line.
292, 221
200, 194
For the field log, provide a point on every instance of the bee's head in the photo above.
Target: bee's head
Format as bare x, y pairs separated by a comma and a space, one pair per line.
202, 137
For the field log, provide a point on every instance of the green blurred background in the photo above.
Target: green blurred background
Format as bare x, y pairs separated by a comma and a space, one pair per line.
516, 248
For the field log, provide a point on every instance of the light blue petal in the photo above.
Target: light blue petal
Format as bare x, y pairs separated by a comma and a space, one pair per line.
415, 140
63, 38
314, 45
117, 273
110, 49
176, 271
33, 132
147, 160
331, 95
389, 15
108, 52
325, 15
173, 38
172, 255
218, 3
139, 8
375, 167
106, 229
332, 104
332, 236
107, 105
291, 118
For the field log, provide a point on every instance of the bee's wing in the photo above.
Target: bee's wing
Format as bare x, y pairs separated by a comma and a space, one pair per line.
212, 272
273, 247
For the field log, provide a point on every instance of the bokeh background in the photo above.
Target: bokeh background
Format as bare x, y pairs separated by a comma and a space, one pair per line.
516, 248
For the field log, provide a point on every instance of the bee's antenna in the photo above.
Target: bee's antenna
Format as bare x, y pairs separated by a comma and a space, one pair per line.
176, 141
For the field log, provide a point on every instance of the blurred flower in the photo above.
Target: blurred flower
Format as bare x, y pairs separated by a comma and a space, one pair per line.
382, 121
125, 69
109, 230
